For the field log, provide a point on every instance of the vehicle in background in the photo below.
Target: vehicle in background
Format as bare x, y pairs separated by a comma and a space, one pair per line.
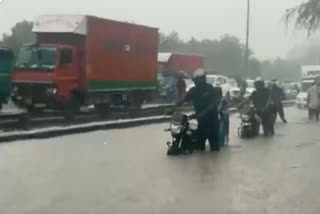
250, 88
308, 78
174, 65
220, 81
167, 86
84, 60
290, 91
6, 61
228, 86
179, 63
234, 89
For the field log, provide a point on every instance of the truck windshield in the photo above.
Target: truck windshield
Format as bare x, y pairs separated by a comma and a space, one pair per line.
37, 58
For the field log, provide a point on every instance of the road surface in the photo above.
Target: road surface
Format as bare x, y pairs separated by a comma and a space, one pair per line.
127, 171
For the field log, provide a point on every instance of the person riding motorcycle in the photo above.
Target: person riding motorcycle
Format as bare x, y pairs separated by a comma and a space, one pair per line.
204, 99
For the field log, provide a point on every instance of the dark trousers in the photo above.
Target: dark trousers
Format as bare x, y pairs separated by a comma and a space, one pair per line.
267, 121
279, 110
208, 130
312, 113
228, 127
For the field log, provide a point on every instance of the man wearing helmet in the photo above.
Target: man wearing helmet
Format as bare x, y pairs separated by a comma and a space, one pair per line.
261, 99
204, 100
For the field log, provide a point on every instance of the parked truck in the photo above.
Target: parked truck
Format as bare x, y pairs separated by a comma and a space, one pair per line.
179, 63
85, 60
6, 61
173, 65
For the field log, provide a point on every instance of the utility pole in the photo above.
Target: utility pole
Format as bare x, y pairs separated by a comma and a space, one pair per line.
246, 67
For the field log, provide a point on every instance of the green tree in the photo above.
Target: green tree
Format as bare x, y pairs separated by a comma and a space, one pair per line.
21, 33
281, 69
254, 68
306, 15
224, 56
170, 43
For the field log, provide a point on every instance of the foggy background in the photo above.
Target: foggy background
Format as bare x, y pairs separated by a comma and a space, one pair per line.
275, 50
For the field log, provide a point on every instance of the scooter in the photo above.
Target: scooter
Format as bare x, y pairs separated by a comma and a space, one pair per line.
250, 123
184, 135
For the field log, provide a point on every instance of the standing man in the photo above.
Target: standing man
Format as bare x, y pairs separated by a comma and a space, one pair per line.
261, 99
313, 100
204, 98
277, 96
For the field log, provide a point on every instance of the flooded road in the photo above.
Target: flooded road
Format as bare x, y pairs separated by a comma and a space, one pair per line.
127, 171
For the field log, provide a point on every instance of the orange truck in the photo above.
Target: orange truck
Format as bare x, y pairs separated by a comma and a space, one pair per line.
85, 60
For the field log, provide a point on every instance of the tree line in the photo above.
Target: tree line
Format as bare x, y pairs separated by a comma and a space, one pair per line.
226, 56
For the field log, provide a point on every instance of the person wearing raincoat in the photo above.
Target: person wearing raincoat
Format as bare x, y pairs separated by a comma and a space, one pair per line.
223, 109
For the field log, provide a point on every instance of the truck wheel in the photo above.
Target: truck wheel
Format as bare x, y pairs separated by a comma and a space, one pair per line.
72, 107
102, 109
24, 121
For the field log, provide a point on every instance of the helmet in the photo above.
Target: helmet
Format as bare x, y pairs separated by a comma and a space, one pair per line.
199, 78
259, 82
198, 73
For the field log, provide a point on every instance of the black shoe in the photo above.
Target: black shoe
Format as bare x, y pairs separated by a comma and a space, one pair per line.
285, 121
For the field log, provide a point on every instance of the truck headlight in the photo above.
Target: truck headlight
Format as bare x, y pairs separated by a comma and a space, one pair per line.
51, 91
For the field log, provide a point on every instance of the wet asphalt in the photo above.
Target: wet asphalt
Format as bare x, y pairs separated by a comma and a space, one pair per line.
127, 171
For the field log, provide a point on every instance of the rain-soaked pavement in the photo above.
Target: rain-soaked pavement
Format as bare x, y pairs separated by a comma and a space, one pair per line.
127, 171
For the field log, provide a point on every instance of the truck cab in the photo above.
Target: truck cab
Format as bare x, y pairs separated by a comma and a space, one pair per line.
44, 75
6, 59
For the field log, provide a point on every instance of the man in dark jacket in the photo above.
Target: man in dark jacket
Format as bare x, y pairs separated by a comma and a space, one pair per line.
277, 96
204, 99
261, 99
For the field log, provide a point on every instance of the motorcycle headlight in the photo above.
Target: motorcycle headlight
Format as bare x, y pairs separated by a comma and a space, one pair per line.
176, 129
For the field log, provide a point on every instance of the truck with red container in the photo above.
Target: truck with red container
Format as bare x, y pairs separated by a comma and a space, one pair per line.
179, 63
85, 60
172, 69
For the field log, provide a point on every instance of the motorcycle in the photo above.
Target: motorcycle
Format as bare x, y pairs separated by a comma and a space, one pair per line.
250, 123
184, 135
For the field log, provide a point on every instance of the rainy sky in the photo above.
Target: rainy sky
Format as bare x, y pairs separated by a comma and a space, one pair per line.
201, 18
